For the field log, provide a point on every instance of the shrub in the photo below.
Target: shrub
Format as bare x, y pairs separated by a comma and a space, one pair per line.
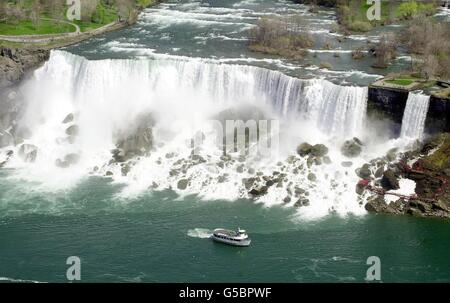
359, 26
281, 36
326, 65
358, 54
385, 51
411, 9
429, 41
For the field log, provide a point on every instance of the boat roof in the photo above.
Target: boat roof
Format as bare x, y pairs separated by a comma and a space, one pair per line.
226, 232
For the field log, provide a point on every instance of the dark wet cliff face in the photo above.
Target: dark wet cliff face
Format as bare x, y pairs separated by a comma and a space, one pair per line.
438, 118
14, 63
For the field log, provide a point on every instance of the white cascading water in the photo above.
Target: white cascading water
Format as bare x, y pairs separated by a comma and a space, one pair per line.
107, 96
414, 116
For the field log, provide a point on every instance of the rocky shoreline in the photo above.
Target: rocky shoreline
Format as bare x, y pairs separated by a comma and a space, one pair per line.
15, 62
428, 166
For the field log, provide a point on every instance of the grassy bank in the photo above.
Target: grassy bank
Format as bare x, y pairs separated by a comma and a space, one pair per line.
403, 80
101, 16
30, 17
27, 27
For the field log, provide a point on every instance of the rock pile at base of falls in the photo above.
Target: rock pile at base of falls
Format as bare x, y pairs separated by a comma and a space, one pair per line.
317, 154
137, 142
430, 170
352, 148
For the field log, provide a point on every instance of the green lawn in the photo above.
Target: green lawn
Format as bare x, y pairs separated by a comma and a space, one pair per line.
26, 27
403, 80
102, 16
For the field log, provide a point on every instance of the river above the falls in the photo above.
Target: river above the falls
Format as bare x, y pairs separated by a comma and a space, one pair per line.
218, 30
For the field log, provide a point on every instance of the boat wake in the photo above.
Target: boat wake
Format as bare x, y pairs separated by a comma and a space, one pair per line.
201, 233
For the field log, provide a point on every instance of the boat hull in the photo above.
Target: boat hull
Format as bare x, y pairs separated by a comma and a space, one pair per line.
243, 243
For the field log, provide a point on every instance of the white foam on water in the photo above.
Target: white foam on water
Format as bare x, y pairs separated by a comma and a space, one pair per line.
201, 233
19, 280
107, 97
165, 18
407, 188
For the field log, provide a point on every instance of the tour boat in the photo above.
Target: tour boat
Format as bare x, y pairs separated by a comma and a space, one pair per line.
231, 237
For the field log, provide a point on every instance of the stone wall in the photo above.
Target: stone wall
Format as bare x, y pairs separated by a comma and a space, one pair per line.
438, 119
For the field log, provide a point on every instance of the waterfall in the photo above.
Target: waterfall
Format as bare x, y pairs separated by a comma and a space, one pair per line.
414, 117
196, 85
77, 111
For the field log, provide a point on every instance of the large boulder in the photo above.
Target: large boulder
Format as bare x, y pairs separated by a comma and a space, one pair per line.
182, 184
364, 172
378, 205
304, 149
69, 118
319, 150
137, 142
390, 180
352, 148
259, 190
72, 130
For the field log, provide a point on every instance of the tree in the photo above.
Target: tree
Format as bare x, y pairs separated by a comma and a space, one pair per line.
88, 8
385, 51
35, 14
125, 9
55, 8
430, 66
428, 42
14, 14
2, 11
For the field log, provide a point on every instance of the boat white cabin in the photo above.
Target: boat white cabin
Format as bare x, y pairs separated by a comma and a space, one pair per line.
230, 237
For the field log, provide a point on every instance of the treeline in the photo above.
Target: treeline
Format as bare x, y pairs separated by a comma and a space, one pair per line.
426, 41
95, 11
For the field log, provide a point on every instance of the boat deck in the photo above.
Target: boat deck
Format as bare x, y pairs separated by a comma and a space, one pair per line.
226, 232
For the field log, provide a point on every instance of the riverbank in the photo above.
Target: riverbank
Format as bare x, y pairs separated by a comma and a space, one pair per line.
428, 167
21, 53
